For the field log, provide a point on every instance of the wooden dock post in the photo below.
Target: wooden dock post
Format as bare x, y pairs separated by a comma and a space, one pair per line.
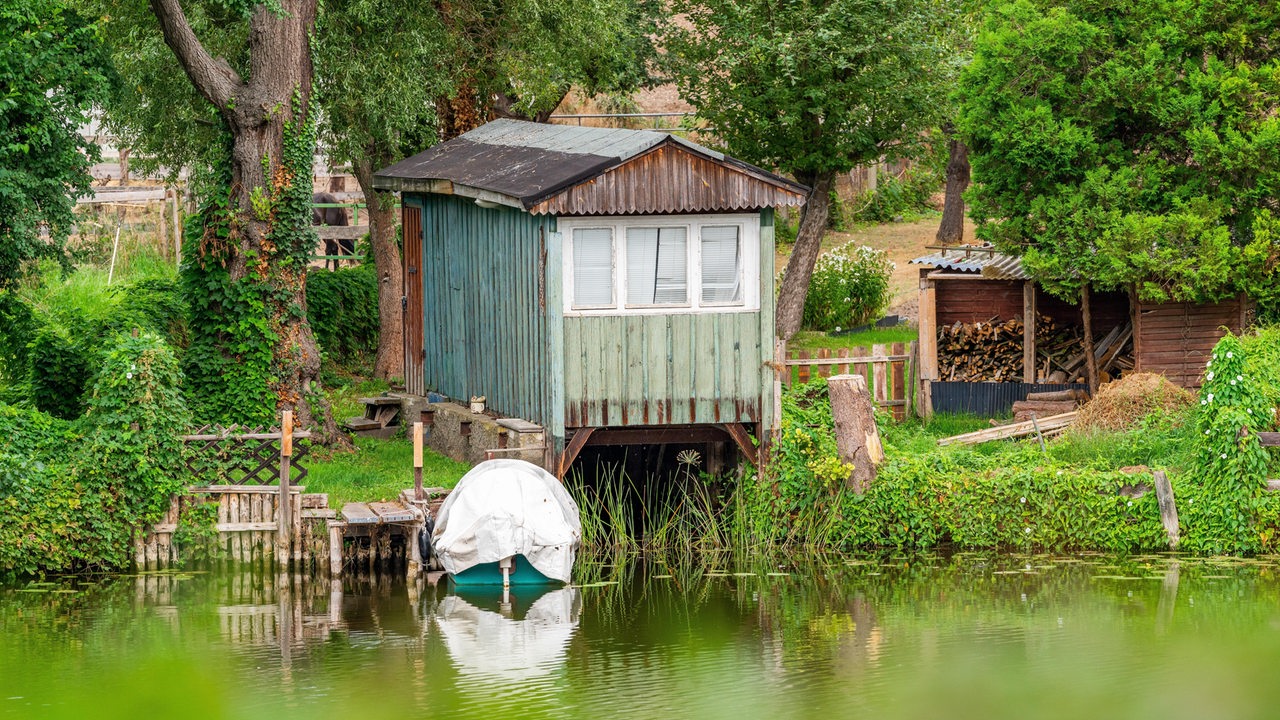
417, 462
284, 527
1168, 510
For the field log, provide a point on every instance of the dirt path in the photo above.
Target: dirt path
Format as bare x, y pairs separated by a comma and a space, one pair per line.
903, 241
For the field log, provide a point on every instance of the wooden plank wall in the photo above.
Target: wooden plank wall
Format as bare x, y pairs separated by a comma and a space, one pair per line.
484, 295
411, 225
977, 300
625, 370
1177, 339
246, 525
886, 379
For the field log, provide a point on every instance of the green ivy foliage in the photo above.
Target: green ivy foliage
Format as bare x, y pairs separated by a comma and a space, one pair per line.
1230, 474
342, 307
74, 493
59, 369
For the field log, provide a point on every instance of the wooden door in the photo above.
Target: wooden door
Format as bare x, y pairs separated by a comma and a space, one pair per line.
411, 224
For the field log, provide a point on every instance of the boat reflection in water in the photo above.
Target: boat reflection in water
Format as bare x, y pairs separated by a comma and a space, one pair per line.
522, 639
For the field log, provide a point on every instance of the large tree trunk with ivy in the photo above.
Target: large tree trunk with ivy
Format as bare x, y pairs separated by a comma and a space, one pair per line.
804, 254
951, 229
255, 249
386, 262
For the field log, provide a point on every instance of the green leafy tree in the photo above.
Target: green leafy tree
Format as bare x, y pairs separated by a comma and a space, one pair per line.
813, 88
53, 69
1129, 144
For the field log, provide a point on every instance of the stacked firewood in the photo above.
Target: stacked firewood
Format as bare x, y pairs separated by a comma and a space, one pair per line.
992, 352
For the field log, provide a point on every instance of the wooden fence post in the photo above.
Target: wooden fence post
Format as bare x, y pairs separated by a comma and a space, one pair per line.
1168, 510
284, 523
418, 494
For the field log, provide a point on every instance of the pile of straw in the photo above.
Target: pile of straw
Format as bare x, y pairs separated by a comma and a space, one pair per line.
1122, 403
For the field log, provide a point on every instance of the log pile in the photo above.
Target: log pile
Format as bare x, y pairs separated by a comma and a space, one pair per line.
992, 352
1045, 404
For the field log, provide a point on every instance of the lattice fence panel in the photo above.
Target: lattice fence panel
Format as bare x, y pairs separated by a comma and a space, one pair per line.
239, 455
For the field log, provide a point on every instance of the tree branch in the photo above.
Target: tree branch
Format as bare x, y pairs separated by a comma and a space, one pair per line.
213, 77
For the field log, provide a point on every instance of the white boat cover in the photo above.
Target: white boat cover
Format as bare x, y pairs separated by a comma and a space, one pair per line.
488, 645
503, 508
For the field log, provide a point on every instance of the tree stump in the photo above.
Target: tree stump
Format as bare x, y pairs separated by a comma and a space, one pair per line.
857, 437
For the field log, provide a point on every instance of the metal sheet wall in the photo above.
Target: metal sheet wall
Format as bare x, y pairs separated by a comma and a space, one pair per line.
484, 317
987, 399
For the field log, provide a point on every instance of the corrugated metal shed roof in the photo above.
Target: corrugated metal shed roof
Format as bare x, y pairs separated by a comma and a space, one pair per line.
521, 164
983, 259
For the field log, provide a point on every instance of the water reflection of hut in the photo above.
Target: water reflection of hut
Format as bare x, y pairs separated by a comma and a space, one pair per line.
502, 645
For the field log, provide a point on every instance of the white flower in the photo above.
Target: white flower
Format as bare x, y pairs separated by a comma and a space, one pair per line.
1223, 456
128, 376
133, 368
1249, 410
1129, 504
1209, 375
1202, 402
837, 328
1210, 398
1240, 378
1022, 500
1233, 382
1206, 432
1229, 355
1028, 531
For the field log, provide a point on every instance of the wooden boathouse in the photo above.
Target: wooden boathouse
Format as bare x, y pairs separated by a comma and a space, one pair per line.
612, 286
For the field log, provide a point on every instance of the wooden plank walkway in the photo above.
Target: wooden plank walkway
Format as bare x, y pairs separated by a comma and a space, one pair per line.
377, 513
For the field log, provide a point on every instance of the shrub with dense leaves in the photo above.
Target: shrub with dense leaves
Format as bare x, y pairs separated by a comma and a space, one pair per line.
59, 368
73, 494
342, 307
850, 287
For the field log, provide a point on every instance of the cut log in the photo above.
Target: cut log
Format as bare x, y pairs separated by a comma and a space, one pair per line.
1047, 426
857, 437
1023, 409
1058, 396
1168, 510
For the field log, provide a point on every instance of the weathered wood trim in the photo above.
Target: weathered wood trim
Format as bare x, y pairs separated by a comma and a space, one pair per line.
742, 439
244, 489
576, 443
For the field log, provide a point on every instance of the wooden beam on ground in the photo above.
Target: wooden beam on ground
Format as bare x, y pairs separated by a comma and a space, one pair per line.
1269, 439
576, 443
742, 439
1019, 429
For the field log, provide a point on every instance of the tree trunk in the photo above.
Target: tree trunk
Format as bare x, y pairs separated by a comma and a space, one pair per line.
1090, 362
272, 246
795, 284
386, 262
951, 229
857, 437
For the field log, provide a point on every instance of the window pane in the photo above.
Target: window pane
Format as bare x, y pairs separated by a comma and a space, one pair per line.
657, 267
592, 267
721, 264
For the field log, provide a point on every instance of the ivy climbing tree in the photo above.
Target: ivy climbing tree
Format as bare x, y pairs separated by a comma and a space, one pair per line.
813, 88
252, 350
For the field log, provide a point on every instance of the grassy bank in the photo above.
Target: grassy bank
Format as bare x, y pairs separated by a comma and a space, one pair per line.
378, 470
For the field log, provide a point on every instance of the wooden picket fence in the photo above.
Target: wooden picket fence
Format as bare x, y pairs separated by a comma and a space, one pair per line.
251, 473
888, 369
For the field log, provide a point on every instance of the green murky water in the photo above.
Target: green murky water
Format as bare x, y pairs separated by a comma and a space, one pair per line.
920, 637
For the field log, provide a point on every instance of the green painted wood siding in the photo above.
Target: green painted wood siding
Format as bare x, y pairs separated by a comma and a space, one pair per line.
627, 370
484, 312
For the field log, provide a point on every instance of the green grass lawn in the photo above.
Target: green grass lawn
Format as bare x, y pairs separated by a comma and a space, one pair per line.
378, 470
810, 340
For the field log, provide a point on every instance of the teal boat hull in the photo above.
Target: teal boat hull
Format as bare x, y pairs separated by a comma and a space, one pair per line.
490, 574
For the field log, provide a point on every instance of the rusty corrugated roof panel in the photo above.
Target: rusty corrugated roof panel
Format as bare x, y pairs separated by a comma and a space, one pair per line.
983, 259
527, 165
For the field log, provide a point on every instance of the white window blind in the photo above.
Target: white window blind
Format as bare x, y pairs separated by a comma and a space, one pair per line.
721, 264
657, 266
593, 267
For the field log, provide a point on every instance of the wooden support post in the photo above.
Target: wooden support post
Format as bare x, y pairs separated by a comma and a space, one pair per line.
1090, 360
928, 347
742, 439
418, 494
857, 437
284, 526
1029, 331
576, 443
335, 548
781, 368
1168, 510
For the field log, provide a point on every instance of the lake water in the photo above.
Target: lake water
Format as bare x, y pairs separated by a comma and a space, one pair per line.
967, 636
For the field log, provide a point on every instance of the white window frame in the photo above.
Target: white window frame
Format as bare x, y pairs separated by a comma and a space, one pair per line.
748, 234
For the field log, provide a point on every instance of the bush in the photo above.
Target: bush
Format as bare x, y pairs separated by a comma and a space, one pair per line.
59, 369
850, 287
342, 308
73, 494
895, 198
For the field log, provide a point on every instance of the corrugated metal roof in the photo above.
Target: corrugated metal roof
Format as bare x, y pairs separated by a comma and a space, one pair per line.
521, 164
983, 259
